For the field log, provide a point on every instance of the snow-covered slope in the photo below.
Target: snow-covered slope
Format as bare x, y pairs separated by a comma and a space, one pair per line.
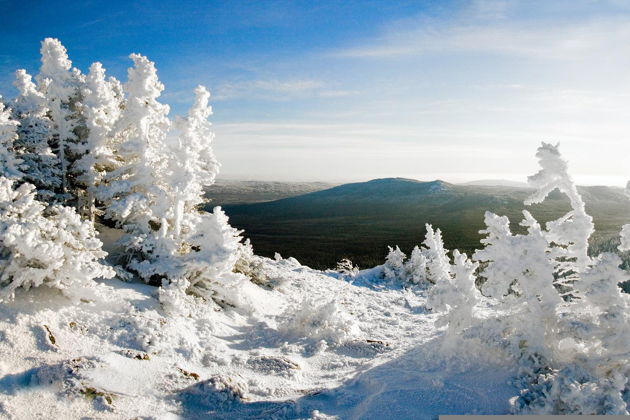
315, 345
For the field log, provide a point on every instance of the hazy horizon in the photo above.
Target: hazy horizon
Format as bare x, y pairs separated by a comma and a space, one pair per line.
580, 181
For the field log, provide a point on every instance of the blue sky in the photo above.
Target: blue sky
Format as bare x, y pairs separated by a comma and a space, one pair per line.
354, 90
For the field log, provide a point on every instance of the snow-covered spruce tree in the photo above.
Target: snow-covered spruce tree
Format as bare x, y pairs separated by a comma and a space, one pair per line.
499, 272
45, 246
438, 263
521, 276
530, 273
596, 338
456, 296
103, 103
207, 247
214, 250
62, 88
133, 194
155, 192
9, 163
40, 166
570, 233
415, 270
600, 293
394, 264
192, 164
198, 246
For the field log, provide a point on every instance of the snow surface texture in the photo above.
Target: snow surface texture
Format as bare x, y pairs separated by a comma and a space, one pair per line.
348, 350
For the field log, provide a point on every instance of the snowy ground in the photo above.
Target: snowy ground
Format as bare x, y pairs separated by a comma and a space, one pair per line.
375, 353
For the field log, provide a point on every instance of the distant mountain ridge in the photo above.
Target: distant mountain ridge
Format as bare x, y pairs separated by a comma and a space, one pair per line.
227, 191
384, 188
358, 220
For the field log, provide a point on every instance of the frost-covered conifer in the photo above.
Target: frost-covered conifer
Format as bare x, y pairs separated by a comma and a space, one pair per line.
44, 246
536, 281
89, 140
102, 107
427, 264
438, 263
133, 194
590, 376
519, 264
9, 163
40, 165
394, 263
498, 274
191, 167
192, 164
457, 296
599, 289
516, 263
571, 232
415, 270
204, 248
157, 189
61, 86
214, 250
467, 294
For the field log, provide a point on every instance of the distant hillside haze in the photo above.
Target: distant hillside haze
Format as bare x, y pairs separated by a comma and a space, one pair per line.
358, 220
497, 183
383, 189
227, 191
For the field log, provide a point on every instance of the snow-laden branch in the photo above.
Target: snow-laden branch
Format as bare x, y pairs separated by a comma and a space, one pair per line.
574, 229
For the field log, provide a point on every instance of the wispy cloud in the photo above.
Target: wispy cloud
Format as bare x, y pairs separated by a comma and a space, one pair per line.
538, 39
270, 89
338, 93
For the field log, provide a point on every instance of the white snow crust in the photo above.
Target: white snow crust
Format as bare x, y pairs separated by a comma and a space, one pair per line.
317, 346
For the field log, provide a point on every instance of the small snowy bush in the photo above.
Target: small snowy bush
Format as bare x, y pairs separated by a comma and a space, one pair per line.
251, 266
438, 264
427, 264
327, 322
415, 270
572, 390
39, 246
394, 264
174, 299
456, 296
346, 268
209, 265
